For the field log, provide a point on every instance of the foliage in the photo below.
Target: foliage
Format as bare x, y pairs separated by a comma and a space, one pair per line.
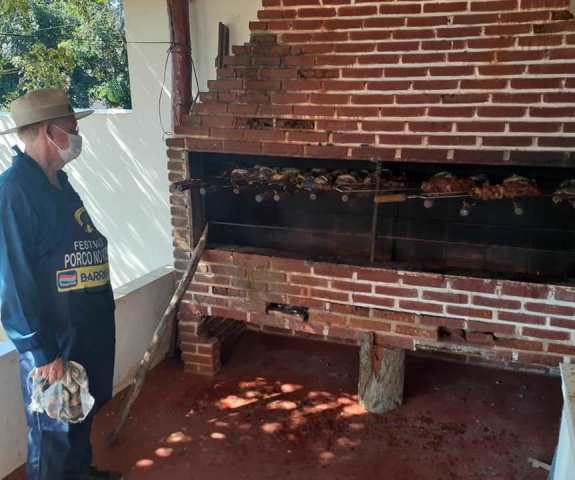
74, 44
10, 7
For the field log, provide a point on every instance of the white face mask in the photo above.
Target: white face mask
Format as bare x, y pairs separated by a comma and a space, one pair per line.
74, 147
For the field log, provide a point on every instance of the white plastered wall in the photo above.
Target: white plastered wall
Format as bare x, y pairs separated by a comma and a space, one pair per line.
121, 174
204, 18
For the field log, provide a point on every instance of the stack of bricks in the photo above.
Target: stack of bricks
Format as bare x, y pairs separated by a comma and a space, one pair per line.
474, 81
513, 324
205, 341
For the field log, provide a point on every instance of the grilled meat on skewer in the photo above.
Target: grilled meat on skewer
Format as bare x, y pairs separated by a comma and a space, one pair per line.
322, 182
488, 192
264, 174
347, 179
280, 177
516, 186
512, 187
240, 174
566, 191
445, 182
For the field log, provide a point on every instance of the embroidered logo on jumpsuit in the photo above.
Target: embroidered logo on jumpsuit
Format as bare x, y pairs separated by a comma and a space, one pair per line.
86, 266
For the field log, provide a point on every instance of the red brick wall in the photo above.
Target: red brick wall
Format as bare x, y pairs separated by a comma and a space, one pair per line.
511, 323
471, 81
461, 81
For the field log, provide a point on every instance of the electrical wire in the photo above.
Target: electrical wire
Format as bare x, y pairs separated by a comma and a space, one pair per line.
15, 70
168, 54
158, 43
197, 95
57, 27
34, 33
164, 132
194, 72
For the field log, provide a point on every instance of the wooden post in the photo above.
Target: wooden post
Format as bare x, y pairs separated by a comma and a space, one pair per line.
179, 15
381, 375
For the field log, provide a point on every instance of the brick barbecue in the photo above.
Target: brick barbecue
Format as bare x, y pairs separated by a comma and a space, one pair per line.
419, 87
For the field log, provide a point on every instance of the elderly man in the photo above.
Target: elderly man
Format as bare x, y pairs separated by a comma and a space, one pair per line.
56, 299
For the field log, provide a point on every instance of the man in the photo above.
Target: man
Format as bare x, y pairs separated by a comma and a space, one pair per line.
56, 300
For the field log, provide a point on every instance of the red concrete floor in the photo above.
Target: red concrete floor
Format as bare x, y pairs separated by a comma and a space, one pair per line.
285, 408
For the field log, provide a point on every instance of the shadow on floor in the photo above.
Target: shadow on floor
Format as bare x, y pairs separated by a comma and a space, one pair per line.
286, 408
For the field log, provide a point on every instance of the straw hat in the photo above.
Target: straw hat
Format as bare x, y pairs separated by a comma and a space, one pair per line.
41, 105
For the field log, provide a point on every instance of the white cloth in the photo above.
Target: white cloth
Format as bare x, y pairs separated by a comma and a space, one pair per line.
68, 400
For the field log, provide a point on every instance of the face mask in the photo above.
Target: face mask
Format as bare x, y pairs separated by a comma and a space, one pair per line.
74, 147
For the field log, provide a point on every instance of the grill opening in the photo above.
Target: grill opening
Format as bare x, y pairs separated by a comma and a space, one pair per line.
531, 239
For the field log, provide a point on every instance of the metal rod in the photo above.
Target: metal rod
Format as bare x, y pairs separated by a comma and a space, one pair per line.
149, 356
383, 195
398, 238
401, 197
375, 213
347, 189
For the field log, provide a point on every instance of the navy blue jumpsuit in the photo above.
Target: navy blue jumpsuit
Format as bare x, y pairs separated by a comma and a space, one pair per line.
56, 301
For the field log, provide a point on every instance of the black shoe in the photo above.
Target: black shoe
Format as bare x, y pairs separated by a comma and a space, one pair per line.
95, 474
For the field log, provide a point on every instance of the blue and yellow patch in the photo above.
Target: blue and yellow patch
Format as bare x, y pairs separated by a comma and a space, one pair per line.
67, 280
84, 277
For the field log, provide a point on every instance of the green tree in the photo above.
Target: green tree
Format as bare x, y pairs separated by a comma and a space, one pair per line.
74, 44
10, 7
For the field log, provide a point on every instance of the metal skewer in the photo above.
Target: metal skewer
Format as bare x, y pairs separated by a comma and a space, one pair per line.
375, 213
348, 189
402, 197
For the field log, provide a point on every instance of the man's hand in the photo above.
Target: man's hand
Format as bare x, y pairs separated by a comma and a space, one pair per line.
52, 372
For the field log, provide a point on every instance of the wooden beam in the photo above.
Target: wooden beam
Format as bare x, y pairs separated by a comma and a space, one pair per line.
179, 15
223, 44
381, 374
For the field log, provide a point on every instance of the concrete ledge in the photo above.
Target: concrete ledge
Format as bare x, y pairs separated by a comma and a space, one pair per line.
139, 307
142, 282
12, 422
